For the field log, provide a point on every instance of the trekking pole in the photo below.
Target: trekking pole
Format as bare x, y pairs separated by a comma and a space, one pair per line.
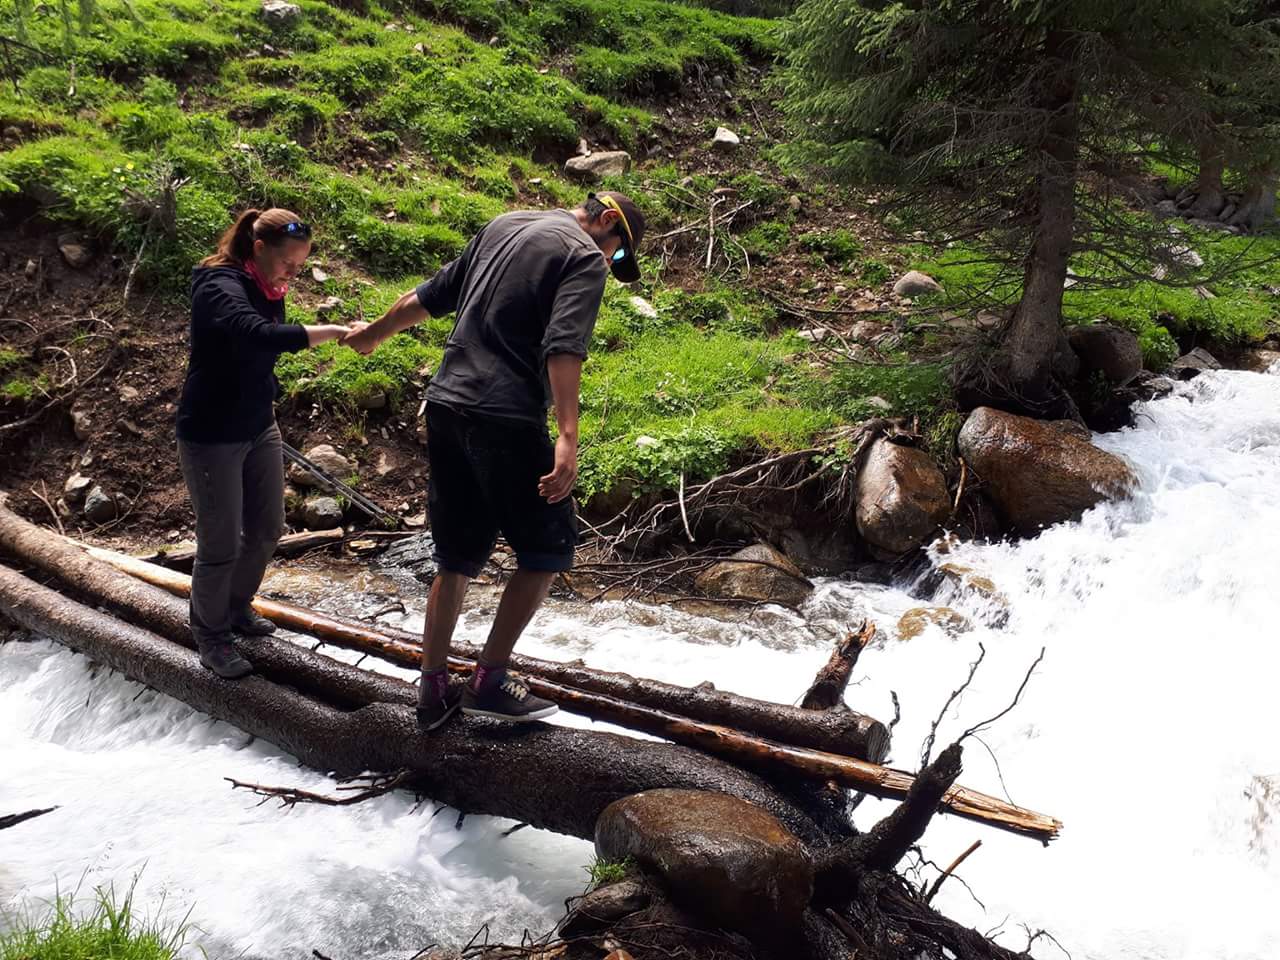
334, 485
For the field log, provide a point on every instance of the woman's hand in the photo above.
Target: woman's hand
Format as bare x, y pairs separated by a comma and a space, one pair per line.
323, 332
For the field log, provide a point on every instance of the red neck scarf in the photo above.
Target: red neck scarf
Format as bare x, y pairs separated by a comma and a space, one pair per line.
268, 291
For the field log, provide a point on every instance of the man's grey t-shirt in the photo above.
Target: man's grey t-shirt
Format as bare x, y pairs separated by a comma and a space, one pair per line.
527, 286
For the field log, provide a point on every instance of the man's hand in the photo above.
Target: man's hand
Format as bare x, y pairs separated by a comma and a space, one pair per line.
361, 339
558, 484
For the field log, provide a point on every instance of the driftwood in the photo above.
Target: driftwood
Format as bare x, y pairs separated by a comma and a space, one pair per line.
478, 766
827, 690
13, 819
289, 546
841, 732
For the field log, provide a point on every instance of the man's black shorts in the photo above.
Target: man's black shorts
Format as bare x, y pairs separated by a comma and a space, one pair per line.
484, 479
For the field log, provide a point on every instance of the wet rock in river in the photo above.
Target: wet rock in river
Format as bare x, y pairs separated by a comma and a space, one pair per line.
322, 513
1037, 474
901, 497
722, 857
915, 622
414, 555
758, 572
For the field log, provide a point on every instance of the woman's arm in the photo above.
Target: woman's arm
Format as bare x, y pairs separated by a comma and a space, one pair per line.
324, 332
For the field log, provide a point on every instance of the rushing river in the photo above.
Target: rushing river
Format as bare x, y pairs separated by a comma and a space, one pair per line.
1149, 728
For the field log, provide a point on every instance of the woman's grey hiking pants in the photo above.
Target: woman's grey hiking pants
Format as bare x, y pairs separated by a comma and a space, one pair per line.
237, 490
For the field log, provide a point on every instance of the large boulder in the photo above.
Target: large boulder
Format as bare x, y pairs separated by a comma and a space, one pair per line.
757, 572
719, 856
327, 459
597, 166
1113, 351
279, 13
1036, 473
916, 284
901, 497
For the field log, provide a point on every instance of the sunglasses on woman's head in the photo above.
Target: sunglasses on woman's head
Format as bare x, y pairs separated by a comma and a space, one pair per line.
293, 229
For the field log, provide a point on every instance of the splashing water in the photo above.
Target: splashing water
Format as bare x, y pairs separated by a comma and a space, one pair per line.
1147, 729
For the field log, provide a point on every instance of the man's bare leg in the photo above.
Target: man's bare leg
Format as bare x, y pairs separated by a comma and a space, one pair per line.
521, 599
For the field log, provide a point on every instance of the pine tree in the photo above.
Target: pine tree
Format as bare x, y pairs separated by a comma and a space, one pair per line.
1014, 124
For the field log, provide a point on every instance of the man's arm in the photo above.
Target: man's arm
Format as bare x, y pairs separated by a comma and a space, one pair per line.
564, 371
404, 313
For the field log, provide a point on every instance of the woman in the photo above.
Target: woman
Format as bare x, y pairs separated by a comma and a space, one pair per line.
228, 442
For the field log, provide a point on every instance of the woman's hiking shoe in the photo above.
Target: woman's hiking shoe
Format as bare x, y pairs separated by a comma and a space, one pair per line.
253, 625
224, 659
510, 700
435, 711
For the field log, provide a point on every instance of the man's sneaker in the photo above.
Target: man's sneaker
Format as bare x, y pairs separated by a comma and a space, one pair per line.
253, 625
433, 713
511, 701
224, 659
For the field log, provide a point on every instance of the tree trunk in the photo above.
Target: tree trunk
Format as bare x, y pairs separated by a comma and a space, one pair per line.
1034, 334
1211, 196
843, 732
827, 690
1257, 207
551, 777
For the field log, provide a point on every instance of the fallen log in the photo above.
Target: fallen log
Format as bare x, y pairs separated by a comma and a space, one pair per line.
769, 758
289, 546
842, 732
556, 778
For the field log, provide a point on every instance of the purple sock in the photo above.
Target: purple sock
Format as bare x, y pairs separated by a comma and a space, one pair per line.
488, 677
434, 683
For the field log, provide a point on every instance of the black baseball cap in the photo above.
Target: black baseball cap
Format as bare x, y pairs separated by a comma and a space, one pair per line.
624, 265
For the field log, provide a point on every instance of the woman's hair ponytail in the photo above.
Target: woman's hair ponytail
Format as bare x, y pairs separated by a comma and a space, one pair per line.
235, 246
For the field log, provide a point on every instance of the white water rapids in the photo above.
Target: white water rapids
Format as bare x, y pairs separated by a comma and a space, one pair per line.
1144, 730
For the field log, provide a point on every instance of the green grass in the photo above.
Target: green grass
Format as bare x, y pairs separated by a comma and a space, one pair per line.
604, 872
107, 927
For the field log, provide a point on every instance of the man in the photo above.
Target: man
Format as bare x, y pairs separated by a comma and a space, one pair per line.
526, 290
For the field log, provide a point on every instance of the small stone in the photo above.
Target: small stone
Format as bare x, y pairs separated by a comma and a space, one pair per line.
12, 133
1167, 208
328, 305
609, 163
717, 82
813, 335
643, 307
76, 488
916, 284
278, 12
77, 254
584, 148
373, 400
1205, 293
865, 330
795, 203
31, 269
322, 513
878, 403
725, 140
535, 182
81, 425
647, 441
318, 275
129, 394
98, 507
